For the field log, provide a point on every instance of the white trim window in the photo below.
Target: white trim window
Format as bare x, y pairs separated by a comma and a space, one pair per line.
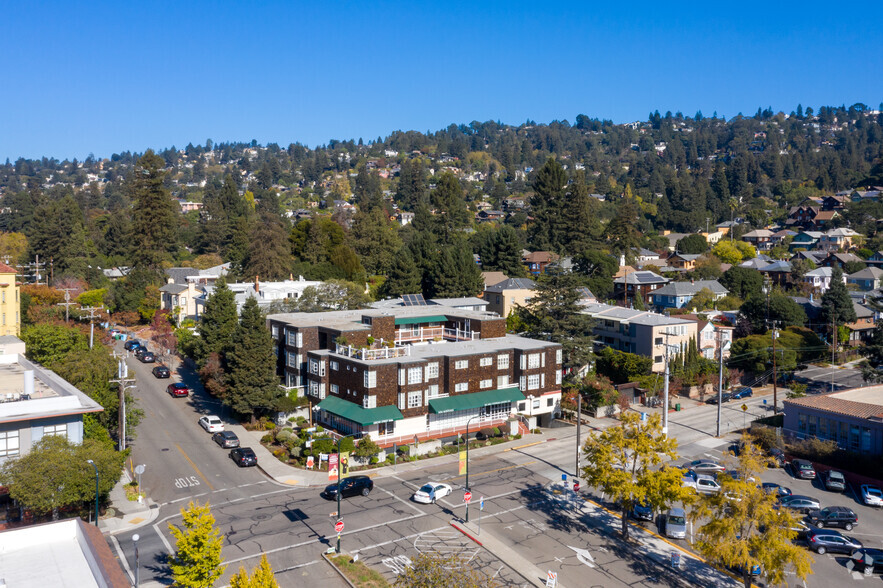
313, 388
334, 365
503, 381
415, 399
370, 379
55, 430
486, 361
402, 376
533, 382
275, 331
533, 361
433, 390
369, 401
486, 383
314, 367
321, 390
461, 387
559, 354
558, 377
503, 362
403, 399
335, 389
522, 383
415, 375
9, 445
461, 364
431, 370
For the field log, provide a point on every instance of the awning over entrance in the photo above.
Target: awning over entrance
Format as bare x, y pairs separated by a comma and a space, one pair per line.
475, 400
420, 320
363, 416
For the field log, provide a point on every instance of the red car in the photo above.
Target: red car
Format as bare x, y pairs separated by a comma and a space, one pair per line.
178, 390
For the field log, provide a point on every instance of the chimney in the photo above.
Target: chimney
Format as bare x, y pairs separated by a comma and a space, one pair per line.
291, 277
29, 383
257, 284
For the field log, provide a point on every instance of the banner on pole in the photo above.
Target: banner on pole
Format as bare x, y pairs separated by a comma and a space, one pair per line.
344, 464
332, 467
462, 470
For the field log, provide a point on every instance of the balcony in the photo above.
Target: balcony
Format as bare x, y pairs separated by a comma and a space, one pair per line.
365, 354
421, 334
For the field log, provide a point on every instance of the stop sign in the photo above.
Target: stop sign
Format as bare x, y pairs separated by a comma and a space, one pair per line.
467, 496
338, 526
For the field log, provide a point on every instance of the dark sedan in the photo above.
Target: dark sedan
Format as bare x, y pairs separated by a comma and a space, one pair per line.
350, 487
725, 397
642, 512
244, 457
226, 439
161, 372
802, 504
147, 357
868, 560
131, 344
803, 469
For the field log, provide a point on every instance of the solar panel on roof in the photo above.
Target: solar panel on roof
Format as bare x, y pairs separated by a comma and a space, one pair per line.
413, 300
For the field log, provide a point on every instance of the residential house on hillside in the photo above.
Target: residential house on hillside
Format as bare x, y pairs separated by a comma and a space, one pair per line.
834, 202
711, 336
819, 279
266, 293
838, 239
816, 257
759, 238
628, 286
805, 240
644, 255
536, 261
487, 216
875, 260
778, 271
757, 263
866, 279
810, 217
863, 195
638, 331
860, 331
491, 278
840, 259
502, 298
679, 294
683, 261
779, 237
184, 285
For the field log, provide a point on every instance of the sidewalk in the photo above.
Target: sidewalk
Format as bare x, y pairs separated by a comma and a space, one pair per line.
131, 514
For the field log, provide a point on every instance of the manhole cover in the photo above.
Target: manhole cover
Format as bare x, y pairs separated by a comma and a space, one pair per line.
261, 517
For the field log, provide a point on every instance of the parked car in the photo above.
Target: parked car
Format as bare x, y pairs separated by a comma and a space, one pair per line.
115, 332
161, 372
244, 457
642, 512
779, 490
178, 390
833, 516
676, 523
802, 504
834, 481
802, 469
826, 540
147, 357
137, 351
872, 495
777, 457
350, 487
211, 423
701, 483
724, 397
429, 493
741, 393
868, 560
705, 466
131, 344
226, 439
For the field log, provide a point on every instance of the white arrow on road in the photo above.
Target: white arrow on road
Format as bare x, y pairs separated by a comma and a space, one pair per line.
584, 556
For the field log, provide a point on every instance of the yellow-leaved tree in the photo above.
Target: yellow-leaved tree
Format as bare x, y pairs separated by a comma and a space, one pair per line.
196, 562
745, 531
261, 577
622, 461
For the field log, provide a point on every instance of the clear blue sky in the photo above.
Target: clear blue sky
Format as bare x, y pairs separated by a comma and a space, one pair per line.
115, 76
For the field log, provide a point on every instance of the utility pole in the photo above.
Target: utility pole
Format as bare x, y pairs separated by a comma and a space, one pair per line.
833, 348
91, 310
665, 386
122, 380
775, 373
67, 303
579, 420
720, 380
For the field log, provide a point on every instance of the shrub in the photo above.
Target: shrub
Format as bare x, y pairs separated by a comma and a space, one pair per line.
268, 439
295, 452
404, 449
281, 453
301, 421
390, 457
516, 436
347, 445
497, 432
374, 460
268, 425
765, 437
484, 434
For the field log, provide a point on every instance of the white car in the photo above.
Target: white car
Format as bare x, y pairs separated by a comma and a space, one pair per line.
431, 492
702, 483
872, 495
211, 423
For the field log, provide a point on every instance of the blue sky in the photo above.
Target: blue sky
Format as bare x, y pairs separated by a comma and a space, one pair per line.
100, 78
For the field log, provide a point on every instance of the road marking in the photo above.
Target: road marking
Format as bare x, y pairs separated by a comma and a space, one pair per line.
122, 558
520, 465
196, 469
402, 500
163, 538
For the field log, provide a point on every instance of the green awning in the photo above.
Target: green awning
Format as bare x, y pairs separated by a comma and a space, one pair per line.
475, 400
363, 416
419, 320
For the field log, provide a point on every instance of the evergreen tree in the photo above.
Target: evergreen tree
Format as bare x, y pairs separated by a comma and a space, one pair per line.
218, 321
547, 205
404, 276
451, 215
622, 232
454, 273
155, 214
499, 250
269, 254
837, 307
368, 193
196, 562
411, 191
375, 239
253, 384
582, 225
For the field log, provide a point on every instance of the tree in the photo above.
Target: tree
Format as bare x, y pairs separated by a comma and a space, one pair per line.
742, 282
48, 344
837, 306
404, 276
746, 528
55, 474
582, 223
196, 562
154, 216
499, 249
554, 314
622, 232
376, 240
432, 569
692, 244
251, 361
702, 300
218, 321
269, 254
454, 273
332, 295
261, 577
451, 215
547, 231
622, 462
781, 308
366, 448
13, 246
622, 367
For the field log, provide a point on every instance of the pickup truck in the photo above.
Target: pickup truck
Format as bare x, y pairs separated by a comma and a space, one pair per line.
701, 483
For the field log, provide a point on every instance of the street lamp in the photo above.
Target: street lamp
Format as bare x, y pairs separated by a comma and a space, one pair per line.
96, 489
135, 539
467, 460
339, 464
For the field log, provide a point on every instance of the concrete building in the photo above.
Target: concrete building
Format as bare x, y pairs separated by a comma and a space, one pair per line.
36, 402
640, 332
502, 298
416, 372
852, 418
10, 305
266, 293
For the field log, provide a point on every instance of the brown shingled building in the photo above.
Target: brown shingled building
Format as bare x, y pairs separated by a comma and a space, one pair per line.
852, 418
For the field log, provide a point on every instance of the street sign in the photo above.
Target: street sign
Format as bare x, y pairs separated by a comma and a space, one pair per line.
338, 527
467, 496
139, 469
551, 579
334, 514
744, 407
481, 503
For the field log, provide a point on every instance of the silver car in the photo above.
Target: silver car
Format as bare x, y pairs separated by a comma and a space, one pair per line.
676, 523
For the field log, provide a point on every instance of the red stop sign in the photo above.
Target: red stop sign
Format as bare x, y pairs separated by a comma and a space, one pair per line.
338, 526
467, 496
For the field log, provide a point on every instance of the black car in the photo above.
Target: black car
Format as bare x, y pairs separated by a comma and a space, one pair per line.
825, 540
725, 397
868, 560
833, 516
131, 344
147, 357
802, 504
642, 512
226, 439
777, 457
781, 491
834, 481
802, 469
244, 457
161, 372
350, 487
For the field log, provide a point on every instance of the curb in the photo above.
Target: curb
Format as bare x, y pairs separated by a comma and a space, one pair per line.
336, 569
456, 526
527, 445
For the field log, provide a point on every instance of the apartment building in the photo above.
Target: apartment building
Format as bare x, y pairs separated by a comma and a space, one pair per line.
640, 332
419, 372
10, 305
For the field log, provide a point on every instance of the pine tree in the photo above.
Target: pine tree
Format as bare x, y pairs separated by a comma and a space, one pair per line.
253, 385
261, 576
269, 254
547, 205
218, 321
155, 214
582, 225
455, 273
376, 240
837, 307
404, 276
450, 212
622, 232
196, 562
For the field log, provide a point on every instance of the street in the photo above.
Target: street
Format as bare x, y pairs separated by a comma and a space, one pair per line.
818, 379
